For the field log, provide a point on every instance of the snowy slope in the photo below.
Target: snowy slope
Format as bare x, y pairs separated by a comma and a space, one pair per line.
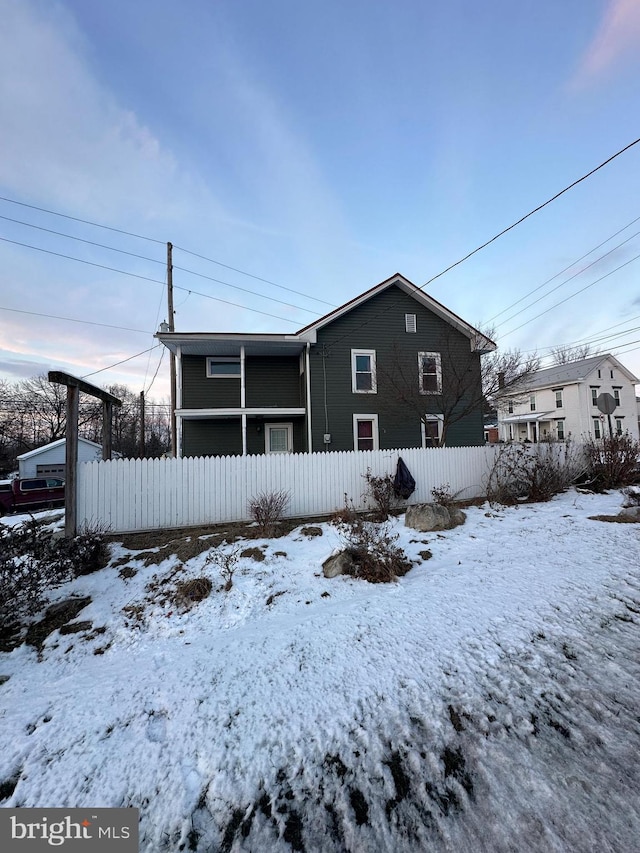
487, 701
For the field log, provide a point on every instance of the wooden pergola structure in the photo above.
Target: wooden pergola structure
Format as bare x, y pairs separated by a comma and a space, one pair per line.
74, 387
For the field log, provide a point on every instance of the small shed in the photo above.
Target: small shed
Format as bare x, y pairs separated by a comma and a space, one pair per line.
49, 460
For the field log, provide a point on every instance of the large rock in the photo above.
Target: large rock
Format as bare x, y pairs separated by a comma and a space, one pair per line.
338, 564
631, 512
427, 517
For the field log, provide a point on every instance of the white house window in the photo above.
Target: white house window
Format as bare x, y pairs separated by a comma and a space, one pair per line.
430, 372
594, 396
510, 407
410, 324
559, 398
431, 429
616, 396
619, 426
219, 367
278, 438
597, 428
365, 432
611, 373
363, 371
532, 402
560, 430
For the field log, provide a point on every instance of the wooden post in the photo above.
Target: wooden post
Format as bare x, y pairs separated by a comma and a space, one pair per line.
172, 358
71, 463
107, 429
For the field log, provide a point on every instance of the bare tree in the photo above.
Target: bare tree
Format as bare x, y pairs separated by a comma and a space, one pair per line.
567, 354
461, 382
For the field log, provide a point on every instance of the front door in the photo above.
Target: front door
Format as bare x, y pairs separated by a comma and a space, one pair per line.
278, 438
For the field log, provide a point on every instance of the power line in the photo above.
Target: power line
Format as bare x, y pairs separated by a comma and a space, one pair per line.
562, 301
74, 320
577, 261
531, 212
256, 277
124, 361
147, 278
567, 280
83, 221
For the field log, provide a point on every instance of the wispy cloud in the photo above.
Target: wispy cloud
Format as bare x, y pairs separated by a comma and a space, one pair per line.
617, 38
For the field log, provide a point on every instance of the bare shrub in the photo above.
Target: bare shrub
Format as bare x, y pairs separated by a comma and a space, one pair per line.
372, 547
226, 562
189, 592
612, 462
32, 562
267, 509
381, 491
443, 495
531, 473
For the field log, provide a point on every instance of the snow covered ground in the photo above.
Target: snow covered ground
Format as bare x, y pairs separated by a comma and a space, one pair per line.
487, 701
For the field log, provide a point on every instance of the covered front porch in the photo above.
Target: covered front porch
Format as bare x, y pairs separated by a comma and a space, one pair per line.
531, 427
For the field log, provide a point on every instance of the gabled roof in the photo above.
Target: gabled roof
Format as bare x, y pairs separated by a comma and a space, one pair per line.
574, 371
53, 444
479, 341
229, 343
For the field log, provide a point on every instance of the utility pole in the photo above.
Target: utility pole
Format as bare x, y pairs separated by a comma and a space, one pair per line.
143, 448
172, 358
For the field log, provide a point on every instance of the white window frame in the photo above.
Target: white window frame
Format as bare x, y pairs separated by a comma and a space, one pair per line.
410, 323
594, 394
532, 402
376, 438
560, 429
438, 360
439, 419
223, 360
510, 407
371, 353
559, 399
597, 425
619, 426
289, 428
616, 396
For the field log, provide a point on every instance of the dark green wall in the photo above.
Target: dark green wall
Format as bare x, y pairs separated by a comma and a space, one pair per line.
269, 382
379, 325
200, 392
223, 436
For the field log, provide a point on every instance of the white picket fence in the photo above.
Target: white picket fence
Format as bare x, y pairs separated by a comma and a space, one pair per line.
147, 494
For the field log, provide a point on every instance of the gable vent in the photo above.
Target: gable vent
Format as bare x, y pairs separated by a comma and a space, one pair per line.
410, 322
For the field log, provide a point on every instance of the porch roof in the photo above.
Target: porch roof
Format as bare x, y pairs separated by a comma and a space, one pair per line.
530, 417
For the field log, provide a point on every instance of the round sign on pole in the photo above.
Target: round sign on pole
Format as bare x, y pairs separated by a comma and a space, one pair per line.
606, 403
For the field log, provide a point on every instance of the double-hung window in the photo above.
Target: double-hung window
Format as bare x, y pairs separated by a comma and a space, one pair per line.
365, 432
560, 430
431, 429
532, 403
430, 372
597, 428
616, 396
558, 398
363, 371
594, 394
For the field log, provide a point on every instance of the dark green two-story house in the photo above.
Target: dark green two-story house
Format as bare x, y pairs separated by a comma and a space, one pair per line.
392, 368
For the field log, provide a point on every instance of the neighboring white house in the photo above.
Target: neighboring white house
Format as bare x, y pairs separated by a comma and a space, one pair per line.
561, 400
50, 459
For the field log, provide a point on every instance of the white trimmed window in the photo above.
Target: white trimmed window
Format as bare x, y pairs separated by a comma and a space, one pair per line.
597, 428
278, 438
558, 398
532, 403
594, 395
363, 371
365, 432
410, 324
431, 431
510, 407
619, 426
616, 396
220, 367
560, 430
430, 372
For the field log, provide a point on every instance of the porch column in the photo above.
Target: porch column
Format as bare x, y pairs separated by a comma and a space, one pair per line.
243, 402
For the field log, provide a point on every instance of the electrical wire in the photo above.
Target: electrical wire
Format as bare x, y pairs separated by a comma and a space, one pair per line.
124, 361
74, 320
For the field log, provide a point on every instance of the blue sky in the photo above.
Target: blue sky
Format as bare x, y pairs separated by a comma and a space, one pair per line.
320, 146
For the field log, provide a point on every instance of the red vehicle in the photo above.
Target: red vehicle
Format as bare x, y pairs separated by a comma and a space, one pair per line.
31, 493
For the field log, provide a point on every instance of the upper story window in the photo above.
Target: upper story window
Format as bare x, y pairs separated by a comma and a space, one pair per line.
594, 396
558, 398
532, 402
611, 373
510, 407
220, 367
429, 372
363, 371
410, 324
616, 396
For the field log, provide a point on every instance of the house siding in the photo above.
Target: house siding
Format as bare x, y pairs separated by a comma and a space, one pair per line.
379, 324
200, 392
273, 381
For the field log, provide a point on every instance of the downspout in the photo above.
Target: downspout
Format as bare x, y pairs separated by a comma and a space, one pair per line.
243, 401
178, 401
308, 401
